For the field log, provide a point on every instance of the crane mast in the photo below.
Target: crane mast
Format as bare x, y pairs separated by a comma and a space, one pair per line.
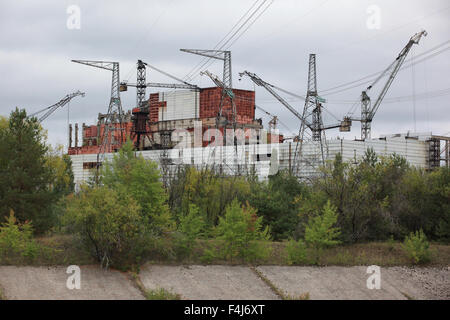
114, 109
226, 83
368, 111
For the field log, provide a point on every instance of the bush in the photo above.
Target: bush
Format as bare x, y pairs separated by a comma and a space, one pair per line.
319, 231
190, 228
275, 201
121, 219
296, 252
242, 234
109, 224
16, 240
416, 247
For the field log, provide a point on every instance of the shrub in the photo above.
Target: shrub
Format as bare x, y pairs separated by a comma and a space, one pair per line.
109, 224
121, 218
161, 294
242, 234
296, 252
190, 228
16, 240
416, 247
319, 231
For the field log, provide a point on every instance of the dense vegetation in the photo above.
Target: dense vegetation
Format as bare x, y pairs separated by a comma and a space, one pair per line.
130, 217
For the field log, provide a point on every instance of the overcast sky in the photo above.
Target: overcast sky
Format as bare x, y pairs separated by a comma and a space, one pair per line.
36, 47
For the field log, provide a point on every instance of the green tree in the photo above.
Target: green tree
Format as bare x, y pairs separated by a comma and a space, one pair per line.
109, 224
319, 231
276, 203
16, 240
125, 215
132, 175
210, 192
242, 233
421, 201
417, 247
191, 227
26, 179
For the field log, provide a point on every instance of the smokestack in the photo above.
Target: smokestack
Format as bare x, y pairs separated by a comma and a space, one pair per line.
76, 135
83, 134
70, 135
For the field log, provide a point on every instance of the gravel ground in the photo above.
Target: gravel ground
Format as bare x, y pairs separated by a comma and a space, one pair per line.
49, 283
350, 282
422, 283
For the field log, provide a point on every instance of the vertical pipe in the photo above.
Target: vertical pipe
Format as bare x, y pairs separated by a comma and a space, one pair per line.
76, 135
83, 134
70, 135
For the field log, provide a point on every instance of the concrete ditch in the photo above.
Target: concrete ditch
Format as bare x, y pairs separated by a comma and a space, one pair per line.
216, 282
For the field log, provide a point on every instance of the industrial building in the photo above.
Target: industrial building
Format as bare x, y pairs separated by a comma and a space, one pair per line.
265, 159
177, 110
215, 127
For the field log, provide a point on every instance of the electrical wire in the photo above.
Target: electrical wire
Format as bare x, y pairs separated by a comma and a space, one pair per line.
193, 73
379, 72
402, 68
198, 66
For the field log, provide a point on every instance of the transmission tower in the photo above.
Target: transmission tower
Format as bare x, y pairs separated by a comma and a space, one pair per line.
316, 135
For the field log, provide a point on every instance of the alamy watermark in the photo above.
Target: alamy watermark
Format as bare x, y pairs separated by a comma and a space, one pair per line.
373, 21
74, 19
74, 280
374, 280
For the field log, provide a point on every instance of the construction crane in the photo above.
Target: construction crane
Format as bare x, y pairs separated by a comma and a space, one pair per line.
225, 56
316, 126
140, 118
269, 87
273, 121
141, 84
56, 106
226, 83
114, 109
367, 110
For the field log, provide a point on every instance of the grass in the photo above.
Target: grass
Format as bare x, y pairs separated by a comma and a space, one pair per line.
280, 293
2, 296
161, 294
65, 250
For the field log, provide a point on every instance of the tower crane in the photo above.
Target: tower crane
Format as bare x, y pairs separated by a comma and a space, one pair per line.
141, 84
54, 107
270, 87
367, 109
140, 118
114, 108
225, 56
226, 83
316, 127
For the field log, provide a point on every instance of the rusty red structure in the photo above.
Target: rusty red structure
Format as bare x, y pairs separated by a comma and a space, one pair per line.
150, 126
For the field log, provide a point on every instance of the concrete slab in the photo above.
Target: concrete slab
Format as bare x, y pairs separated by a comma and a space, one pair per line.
207, 282
49, 283
350, 283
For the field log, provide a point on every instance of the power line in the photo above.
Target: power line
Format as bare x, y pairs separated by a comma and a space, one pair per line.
241, 34
217, 45
194, 72
379, 72
375, 74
